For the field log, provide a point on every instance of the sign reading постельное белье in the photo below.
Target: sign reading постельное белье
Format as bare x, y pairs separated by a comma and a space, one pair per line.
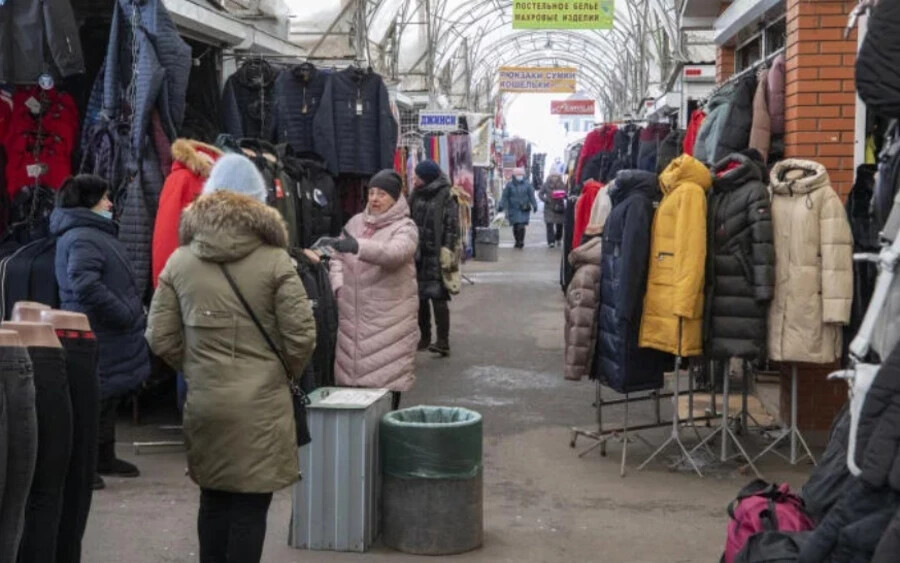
538, 79
563, 14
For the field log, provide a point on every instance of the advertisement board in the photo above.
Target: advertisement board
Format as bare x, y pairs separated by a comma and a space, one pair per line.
572, 107
538, 79
430, 120
546, 14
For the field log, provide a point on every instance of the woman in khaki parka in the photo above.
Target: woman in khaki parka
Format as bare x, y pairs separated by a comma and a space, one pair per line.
238, 417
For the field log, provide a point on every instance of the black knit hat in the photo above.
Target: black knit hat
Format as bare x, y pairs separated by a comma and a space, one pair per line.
428, 171
389, 181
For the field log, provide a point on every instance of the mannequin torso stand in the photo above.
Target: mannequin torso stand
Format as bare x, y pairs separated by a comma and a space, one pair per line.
28, 311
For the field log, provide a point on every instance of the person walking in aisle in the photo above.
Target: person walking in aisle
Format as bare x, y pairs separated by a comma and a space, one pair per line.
436, 212
518, 202
553, 194
95, 278
374, 278
227, 293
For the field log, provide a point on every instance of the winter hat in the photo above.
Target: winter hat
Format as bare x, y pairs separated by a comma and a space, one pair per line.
236, 173
389, 181
428, 171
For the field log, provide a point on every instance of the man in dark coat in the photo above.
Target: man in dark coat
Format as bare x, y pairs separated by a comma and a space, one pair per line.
740, 260
96, 279
623, 280
436, 213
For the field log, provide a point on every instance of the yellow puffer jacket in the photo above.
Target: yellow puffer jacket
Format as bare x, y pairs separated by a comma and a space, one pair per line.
673, 304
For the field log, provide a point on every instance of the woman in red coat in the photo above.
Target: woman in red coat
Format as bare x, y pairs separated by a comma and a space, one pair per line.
192, 162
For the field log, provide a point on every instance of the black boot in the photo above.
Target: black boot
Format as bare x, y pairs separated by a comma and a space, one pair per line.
109, 464
424, 344
99, 483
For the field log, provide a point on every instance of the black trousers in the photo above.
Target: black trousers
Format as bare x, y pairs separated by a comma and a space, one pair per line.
232, 526
106, 432
554, 232
84, 391
441, 319
519, 234
395, 400
54, 419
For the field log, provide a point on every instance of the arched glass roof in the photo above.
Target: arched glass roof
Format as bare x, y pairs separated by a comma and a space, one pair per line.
453, 48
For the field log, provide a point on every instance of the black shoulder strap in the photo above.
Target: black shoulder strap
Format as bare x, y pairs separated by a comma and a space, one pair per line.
258, 324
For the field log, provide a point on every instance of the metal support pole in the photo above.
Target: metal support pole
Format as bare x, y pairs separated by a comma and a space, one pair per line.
793, 432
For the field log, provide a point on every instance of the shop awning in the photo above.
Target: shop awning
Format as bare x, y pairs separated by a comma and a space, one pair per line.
699, 14
205, 23
739, 15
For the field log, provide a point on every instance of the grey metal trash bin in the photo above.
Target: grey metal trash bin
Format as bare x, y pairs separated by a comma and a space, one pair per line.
433, 480
487, 242
336, 506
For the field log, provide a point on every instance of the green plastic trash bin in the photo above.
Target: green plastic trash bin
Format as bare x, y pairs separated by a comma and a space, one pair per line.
432, 492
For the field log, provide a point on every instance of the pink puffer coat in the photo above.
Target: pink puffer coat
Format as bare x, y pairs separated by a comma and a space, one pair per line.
582, 300
378, 302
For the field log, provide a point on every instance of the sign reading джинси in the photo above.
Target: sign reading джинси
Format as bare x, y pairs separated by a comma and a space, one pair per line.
538, 79
562, 14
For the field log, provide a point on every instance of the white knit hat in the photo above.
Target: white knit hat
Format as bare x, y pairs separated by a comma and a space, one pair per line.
236, 173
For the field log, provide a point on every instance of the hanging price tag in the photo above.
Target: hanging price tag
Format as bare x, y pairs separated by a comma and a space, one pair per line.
359, 107
33, 105
36, 170
279, 190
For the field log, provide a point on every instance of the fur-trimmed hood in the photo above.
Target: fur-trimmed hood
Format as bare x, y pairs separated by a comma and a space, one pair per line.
225, 227
189, 154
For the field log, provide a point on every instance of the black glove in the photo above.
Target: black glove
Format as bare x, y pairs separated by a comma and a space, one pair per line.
345, 245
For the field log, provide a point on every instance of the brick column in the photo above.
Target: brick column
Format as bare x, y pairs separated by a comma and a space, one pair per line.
820, 125
724, 64
820, 88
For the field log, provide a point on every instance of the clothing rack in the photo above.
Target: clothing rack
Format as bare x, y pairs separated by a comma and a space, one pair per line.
746, 72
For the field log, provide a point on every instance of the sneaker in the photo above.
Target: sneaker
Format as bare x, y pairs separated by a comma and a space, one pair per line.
98, 484
443, 350
117, 468
551, 245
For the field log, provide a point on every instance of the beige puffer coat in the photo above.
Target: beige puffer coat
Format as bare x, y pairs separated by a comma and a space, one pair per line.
378, 302
582, 300
239, 417
813, 265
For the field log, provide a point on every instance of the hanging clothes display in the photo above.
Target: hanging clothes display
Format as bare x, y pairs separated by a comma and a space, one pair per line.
461, 171
813, 265
673, 307
582, 300
619, 363
480, 208
583, 210
298, 93
650, 139
597, 141
865, 239
775, 84
248, 101
693, 130
761, 126
726, 129
669, 149
354, 127
38, 38
740, 261
318, 198
444, 153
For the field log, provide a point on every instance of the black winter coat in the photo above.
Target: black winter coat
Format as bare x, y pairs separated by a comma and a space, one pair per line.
740, 261
37, 36
248, 101
319, 206
96, 279
436, 213
298, 94
619, 363
354, 127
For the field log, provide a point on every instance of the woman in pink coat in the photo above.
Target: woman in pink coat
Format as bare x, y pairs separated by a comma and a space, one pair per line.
374, 278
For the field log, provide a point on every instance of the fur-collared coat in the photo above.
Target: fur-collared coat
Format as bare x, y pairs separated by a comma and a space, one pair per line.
238, 418
193, 161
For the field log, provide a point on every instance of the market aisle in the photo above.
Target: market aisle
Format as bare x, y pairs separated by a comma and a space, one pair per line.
542, 503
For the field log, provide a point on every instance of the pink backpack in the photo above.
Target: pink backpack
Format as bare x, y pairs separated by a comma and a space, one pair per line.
761, 507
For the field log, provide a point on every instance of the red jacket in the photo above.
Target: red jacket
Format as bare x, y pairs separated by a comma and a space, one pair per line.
58, 125
693, 129
190, 170
598, 140
583, 210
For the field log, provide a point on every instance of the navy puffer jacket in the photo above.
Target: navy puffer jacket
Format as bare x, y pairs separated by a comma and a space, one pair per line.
298, 94
95, 278
623, 280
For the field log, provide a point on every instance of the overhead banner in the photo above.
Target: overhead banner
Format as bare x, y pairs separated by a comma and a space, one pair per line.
538, 79
572, 107
438, 120
599, 14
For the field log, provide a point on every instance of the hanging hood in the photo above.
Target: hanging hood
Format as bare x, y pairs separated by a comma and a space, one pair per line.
735, 171
190, 154
256, 74
815, 177
224, 226
682, 170
634, 181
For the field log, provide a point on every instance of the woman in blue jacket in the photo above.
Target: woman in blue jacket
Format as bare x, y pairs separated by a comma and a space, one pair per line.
95, 278
518, 202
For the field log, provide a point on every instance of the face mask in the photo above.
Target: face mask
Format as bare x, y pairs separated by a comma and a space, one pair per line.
519, 178
105, 214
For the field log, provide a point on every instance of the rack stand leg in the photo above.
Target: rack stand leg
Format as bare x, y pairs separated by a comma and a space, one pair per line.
793, 432
675, 437
726, 431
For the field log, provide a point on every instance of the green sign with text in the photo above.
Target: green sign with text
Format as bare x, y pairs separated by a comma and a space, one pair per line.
548, 14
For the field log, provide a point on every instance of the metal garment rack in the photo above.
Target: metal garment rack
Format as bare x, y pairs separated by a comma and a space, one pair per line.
793, 431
